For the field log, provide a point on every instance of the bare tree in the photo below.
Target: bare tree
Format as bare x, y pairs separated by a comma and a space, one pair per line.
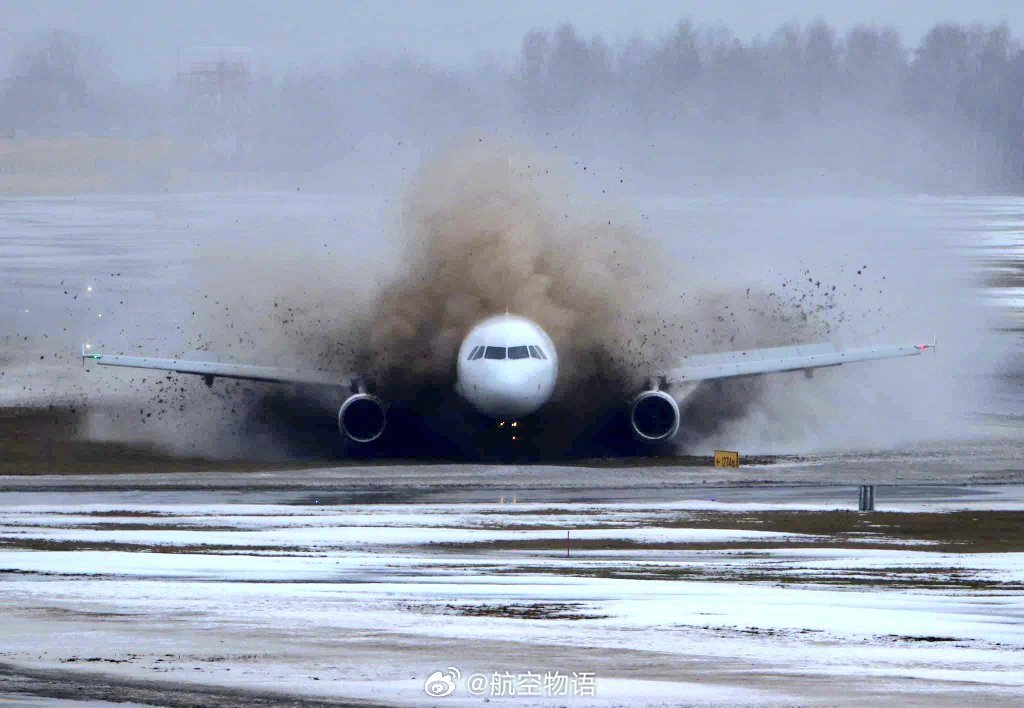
59, 82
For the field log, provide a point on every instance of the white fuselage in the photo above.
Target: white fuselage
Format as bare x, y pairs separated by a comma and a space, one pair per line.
507, 367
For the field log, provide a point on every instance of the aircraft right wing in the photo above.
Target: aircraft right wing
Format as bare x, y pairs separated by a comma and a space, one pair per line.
804, 357
210, 370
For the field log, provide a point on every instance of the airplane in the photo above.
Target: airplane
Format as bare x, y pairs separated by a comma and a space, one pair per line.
507, 369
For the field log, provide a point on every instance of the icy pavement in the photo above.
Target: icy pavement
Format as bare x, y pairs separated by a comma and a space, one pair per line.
670, 601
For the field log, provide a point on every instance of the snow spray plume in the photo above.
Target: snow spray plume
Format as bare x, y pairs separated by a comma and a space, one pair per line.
483, 234
479, 234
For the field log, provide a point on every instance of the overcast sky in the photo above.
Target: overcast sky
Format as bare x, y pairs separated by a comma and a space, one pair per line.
145, 37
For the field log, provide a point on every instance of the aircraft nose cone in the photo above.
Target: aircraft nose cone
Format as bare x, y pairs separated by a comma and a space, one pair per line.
510, 379
512, 394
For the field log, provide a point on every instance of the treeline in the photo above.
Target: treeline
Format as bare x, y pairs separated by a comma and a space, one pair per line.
959, 93
696, 104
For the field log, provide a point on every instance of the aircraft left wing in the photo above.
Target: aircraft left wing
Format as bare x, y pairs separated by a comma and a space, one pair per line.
804, 357
210, 370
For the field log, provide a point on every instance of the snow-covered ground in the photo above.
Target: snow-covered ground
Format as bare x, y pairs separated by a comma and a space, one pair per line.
367, 601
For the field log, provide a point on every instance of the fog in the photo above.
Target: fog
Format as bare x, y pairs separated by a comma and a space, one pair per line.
545, 186
805, 108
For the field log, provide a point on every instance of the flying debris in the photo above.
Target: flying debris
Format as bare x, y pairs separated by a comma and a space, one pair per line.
507, 370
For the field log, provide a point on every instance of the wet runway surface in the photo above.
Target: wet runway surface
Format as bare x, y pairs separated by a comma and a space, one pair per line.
666, 584
926, 468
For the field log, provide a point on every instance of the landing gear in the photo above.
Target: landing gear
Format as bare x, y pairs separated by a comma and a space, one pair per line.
513, 430
504, 440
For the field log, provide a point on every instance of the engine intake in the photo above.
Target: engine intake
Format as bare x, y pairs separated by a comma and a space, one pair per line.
654, 416
362, 418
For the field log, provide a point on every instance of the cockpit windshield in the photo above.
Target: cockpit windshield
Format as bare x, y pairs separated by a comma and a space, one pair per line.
525, 351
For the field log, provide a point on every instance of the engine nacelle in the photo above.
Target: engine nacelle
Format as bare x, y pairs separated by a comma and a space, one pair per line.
654, 416
362, 418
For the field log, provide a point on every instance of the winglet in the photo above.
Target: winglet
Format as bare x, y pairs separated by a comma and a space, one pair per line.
87, 354
923, 347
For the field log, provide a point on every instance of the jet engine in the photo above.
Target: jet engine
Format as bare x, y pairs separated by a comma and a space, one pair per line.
654, 416
362, 418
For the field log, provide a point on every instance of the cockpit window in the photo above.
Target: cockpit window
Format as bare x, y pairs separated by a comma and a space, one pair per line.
520, 352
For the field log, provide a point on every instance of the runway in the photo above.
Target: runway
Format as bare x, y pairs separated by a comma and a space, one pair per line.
135, 567
665, 585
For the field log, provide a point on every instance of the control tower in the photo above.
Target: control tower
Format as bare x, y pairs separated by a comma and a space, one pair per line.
216, 88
